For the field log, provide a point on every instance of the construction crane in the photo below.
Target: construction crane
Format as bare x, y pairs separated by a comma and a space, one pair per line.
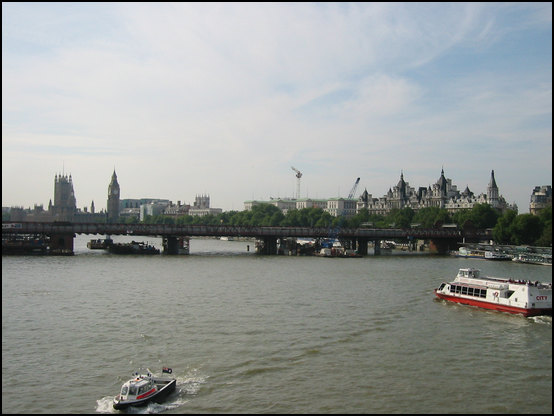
298, 176
334, 231
353, 190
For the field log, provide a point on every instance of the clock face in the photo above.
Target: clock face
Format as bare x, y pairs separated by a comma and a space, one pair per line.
115, 191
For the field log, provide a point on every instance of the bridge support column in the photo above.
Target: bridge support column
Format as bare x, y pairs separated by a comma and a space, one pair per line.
268, 245
175, 245
362, 246
170, 245
61, 244
288, 246
376, 247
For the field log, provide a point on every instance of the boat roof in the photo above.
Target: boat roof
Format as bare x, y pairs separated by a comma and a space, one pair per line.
139, 381
509, 280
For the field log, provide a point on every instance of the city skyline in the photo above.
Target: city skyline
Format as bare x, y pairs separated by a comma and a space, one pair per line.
67, 177
222, 99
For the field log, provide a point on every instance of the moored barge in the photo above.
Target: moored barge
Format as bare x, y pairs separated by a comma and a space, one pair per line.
134, 247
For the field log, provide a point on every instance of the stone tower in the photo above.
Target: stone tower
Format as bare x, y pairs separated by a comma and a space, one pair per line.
113, 199
65, 205
492, 192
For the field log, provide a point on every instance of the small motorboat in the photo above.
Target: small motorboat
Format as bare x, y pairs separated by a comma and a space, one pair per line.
144, 388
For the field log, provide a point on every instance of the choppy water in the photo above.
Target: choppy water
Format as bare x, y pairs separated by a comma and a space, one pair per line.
266, 334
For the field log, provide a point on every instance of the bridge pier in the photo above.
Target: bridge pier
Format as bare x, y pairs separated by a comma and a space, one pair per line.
61, 244
362, 246
170, 245
377, 247
175, 245
267, 245
288, 246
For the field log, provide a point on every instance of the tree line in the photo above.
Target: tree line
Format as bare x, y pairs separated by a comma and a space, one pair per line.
508, 228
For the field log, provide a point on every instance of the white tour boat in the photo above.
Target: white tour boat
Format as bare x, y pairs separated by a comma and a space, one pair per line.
497, 255
496, 293
144, 388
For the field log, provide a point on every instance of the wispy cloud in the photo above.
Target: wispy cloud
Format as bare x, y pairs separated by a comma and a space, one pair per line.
222, 98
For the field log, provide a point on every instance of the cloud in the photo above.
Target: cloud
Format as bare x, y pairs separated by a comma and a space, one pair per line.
223, 98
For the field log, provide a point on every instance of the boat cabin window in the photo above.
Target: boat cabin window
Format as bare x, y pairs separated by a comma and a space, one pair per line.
471, 291
133, 390
124, 390
442, 286
482, 293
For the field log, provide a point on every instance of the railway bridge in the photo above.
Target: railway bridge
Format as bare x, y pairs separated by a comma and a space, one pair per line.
61, 234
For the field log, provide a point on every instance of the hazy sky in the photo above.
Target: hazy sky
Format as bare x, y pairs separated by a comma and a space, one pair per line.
222, 99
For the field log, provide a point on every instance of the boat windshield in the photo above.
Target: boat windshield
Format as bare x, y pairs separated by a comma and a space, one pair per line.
469, 273
124, 390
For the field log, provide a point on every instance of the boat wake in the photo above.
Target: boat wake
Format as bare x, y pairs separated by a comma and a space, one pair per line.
542, 319
187, 386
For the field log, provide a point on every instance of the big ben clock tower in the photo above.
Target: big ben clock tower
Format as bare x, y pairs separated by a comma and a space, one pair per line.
113, 199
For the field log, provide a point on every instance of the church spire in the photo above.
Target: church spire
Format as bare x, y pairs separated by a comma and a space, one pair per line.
492, 182
492, 192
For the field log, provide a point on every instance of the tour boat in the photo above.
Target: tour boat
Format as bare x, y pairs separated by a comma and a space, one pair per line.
496, 293
497, 256
469, 253
144, 388
544, 259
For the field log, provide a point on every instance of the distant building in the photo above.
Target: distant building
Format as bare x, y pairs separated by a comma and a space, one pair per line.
113, 199
117, 210
284, 204
63, 209
153, 207
334, 206
201, 207
177, 210
65, 205
540, 199
442, 194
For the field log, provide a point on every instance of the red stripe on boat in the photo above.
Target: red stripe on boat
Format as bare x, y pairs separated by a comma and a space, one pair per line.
495, 306
148, 393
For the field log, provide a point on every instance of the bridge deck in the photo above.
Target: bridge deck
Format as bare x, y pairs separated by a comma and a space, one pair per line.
166, 230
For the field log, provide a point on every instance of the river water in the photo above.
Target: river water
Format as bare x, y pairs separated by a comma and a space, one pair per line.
245, 333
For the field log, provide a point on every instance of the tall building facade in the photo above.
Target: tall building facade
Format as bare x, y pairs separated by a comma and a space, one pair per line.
65, 204
540, 199
113, 199
442, 194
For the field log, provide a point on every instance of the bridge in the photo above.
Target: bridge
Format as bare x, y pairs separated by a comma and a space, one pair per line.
61, 234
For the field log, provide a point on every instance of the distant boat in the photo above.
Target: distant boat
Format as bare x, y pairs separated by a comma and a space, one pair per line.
337, 252
226, 238
496, 255
469, 254
134, 247
535, 258
100, 244
24, 245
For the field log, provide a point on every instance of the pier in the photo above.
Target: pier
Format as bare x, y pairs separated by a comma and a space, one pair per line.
61, 234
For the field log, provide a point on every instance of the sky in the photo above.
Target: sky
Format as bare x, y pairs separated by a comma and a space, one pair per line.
223, 99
